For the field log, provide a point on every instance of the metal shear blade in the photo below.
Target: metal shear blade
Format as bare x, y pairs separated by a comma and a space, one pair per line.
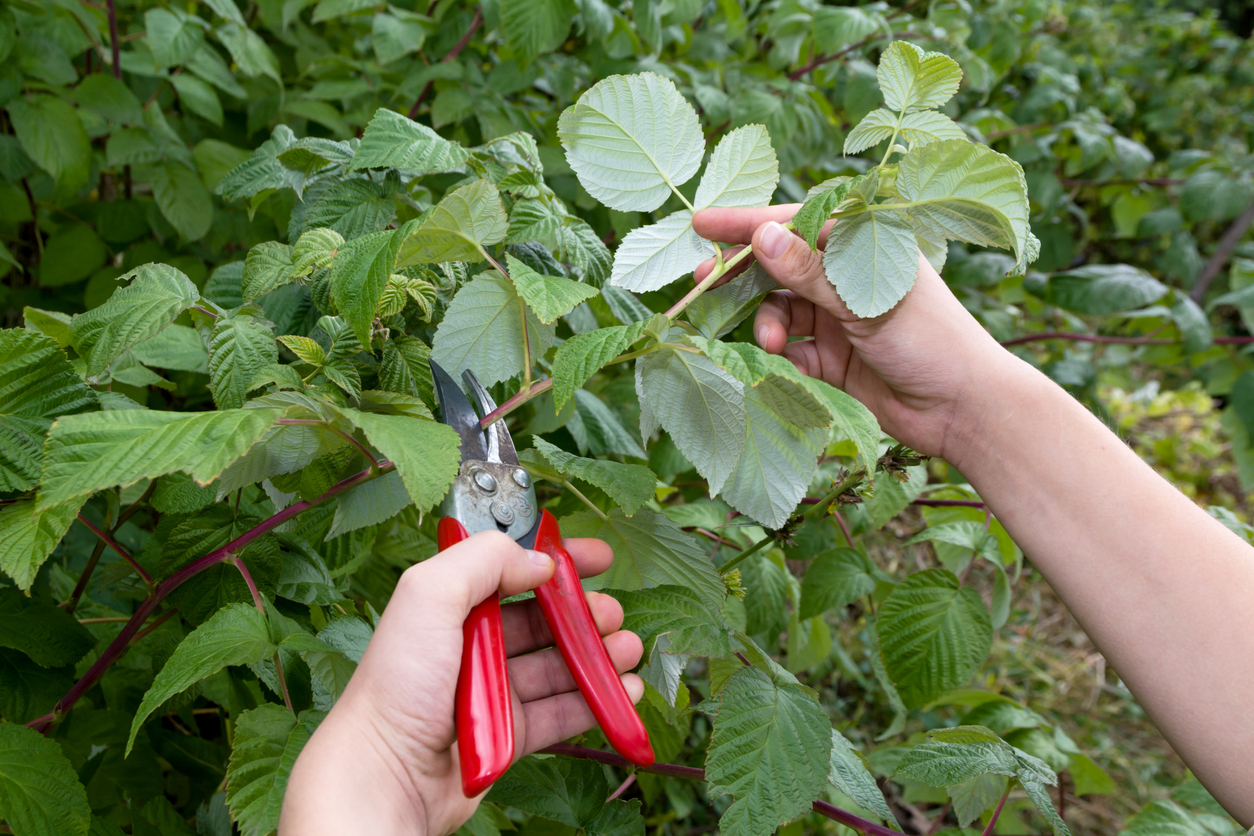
500, 445
456, 411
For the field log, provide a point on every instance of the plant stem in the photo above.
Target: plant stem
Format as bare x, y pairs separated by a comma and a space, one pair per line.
988, 831
161, 619
709, 280
949, 503
845, 484
566, 483
622, 788
844, 527
146, 607
516, 400
114, 44
1223, 251
452, 54
692, 773
345, 435
111, 543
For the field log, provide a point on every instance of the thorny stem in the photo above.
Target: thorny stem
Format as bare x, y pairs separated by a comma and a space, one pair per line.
844, 527
843, 485
988, 831
119, 645
566, 483
692, 773
113, 544
85, 578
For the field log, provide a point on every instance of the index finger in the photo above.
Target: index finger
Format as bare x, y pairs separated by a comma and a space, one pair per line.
734, 225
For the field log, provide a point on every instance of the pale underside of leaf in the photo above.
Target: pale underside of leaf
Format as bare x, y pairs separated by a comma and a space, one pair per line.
872, 260
632, 140
742, 171
654, 256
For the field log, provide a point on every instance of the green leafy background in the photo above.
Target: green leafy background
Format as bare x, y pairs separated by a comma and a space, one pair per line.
230, 242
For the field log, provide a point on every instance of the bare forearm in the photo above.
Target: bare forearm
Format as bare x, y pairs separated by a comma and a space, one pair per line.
1163, 589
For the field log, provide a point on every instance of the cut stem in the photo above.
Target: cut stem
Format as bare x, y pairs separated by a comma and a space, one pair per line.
111, 543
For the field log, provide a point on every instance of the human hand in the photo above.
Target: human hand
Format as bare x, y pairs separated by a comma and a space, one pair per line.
384, 760
919, 367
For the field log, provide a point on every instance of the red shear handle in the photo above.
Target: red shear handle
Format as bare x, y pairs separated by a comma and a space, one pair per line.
565, 608
485, 712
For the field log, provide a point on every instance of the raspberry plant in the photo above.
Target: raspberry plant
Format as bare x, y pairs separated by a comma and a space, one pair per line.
211, 480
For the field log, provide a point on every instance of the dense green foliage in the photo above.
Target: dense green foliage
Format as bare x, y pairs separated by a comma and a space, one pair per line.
232, 235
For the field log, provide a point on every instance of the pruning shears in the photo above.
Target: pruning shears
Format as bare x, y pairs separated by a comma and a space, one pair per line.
492, 492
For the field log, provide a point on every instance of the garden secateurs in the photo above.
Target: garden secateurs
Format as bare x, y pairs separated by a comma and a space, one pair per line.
492, 492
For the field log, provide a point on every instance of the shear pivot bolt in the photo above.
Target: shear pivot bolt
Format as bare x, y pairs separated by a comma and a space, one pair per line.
502, 512
485, 481
522, 477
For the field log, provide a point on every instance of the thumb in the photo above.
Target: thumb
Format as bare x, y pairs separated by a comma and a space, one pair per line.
791, 263
463, 575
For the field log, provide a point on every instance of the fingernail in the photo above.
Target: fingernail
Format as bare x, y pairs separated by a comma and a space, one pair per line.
539, 558
774, 240
763, 333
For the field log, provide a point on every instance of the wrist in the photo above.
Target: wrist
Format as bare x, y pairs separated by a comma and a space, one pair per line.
1002, 384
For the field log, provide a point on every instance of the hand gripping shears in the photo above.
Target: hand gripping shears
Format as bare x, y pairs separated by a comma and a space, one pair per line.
493, 493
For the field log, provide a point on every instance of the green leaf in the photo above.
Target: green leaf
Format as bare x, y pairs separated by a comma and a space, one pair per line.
50, 636
947, 764
966, 534
910, 78
353, 208
251, 54
549, 297
482, 331
88, 453
214, 587
838, 26
1099, 289
285, 448
237, 634
28, 691
315, 249
466, 220
358, 276
267, 265
1162, 818
28, 537
933, 635
177, 347
1040, 797
404, 368
392, 141
872, 260
848, 772
156, 295
426, 453
918, 127
267, 741
596, 428
649, 550
653, 256
241, 346
37, 383
583, 355
818, 209
780, 454
836, 579
631, 140
716, 312
535, 27
173, 36
394, 36
974, 796
53, 136
742, 170
701, 406
569, 791
680, 614
630, 485
110, 97
182, 199
891, 497
40, 794
770, 749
